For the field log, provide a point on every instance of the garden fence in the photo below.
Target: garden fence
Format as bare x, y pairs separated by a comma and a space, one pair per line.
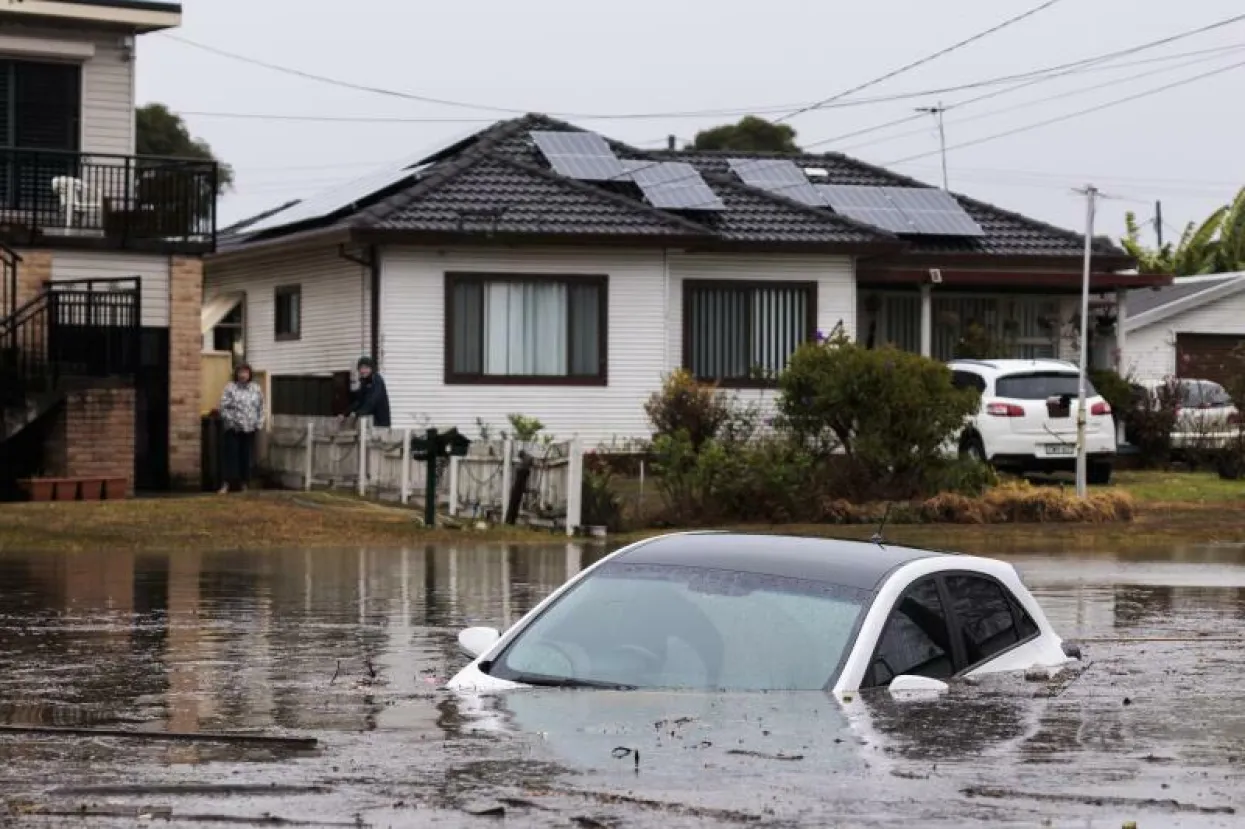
325, 453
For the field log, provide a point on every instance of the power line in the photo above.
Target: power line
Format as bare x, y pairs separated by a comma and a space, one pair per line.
706, 113
973, 39
1071, 115
1071, 93
1216, 51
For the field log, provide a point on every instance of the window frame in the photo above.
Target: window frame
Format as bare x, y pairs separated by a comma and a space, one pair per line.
691, 286
954, 626
601, 281
279, 293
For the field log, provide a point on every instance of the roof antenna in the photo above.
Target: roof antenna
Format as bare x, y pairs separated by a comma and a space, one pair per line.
877, 536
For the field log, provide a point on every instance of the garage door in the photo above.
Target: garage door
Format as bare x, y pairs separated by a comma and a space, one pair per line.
1209, 356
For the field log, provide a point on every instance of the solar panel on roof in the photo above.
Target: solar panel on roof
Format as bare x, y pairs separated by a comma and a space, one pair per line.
580, 155
934, 212
336, 198
870, 205
776, 175
674, 185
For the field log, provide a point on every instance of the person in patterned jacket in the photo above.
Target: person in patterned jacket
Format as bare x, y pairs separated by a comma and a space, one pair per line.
242, 415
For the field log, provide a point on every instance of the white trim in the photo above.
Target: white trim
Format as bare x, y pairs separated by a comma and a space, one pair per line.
142, 19
1226, 289
43, 47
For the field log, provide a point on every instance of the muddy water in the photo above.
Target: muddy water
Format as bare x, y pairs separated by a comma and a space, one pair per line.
350, 648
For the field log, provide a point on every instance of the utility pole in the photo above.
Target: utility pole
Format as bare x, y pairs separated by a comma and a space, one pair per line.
1091, 198
1158, 222
937, 112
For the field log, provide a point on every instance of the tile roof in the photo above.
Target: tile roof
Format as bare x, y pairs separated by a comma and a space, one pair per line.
497, 182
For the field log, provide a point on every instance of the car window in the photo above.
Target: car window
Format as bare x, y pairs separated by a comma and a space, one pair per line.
915, 639
968, 380
1203, 394
1039, 385
665, 626
984, 611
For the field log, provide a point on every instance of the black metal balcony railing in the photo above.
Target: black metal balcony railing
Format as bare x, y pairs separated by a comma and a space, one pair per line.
125, 201
72, 329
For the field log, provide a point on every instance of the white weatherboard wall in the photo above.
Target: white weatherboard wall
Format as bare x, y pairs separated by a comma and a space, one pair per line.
1150, 351
645, 333
152, 269
107, 79
335, 307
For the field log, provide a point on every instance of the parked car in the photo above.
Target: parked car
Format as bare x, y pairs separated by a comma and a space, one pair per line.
1205, 416
735, 612
1027, 420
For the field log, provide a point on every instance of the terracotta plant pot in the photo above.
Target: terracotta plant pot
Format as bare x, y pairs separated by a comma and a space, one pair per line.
91, 489
39, 489
114, 488
66, 490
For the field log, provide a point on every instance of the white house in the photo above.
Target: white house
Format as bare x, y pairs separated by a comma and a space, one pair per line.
1188, 329
535, 268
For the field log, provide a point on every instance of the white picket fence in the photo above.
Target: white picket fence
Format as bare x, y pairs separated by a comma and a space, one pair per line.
323, 453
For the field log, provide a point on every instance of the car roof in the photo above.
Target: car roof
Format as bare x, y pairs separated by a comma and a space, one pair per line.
1000, 367
859, 564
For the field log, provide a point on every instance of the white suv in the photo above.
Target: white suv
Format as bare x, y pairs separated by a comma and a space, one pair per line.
1027, 421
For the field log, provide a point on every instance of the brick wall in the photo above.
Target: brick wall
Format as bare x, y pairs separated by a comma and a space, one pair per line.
34, 269
185, 354
93, 436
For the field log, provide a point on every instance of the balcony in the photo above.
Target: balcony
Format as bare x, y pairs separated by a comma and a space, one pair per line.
53, 198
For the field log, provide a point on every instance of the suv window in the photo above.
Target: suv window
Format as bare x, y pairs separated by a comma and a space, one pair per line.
915, 639
987, 624
968, 380
1039, 385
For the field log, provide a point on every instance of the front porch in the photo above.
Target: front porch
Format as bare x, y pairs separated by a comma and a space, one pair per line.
949, 314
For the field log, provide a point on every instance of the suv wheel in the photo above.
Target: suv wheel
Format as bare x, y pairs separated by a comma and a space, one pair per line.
1098, 473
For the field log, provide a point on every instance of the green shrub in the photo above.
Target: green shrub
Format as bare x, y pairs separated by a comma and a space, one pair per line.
1149, 422
699, 410
1115, 389
601, 506
893, 413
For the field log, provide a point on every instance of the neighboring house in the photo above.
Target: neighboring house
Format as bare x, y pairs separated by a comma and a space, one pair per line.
101, 254
538, 269
1188, 329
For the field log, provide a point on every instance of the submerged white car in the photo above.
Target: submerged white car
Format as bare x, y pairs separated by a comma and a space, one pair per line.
735, 612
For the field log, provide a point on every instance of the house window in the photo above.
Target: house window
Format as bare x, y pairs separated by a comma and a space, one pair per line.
40, 109
228, 334
288, 317
743, 333
525, 329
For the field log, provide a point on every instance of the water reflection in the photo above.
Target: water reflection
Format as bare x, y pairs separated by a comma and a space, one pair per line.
252, 641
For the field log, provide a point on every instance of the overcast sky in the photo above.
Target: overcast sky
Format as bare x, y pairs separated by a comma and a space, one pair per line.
1181, 146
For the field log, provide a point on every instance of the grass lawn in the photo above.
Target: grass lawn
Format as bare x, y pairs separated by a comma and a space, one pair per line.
1180, 488
1171, 508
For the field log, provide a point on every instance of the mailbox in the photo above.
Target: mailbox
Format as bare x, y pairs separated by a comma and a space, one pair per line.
430, 448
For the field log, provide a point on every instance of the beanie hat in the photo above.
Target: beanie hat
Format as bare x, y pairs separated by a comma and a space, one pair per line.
367, 361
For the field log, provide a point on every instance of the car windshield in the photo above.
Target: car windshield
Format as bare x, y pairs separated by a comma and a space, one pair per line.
663, 626
1203, 394
1040, 385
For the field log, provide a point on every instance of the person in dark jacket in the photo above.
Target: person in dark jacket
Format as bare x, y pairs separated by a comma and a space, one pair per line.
371, 400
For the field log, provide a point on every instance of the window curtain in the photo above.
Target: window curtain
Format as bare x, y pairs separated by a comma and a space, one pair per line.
779, 325
525, 329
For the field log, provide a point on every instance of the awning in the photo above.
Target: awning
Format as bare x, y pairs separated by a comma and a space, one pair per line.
216, 309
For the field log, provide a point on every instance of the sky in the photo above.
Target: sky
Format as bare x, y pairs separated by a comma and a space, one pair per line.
288, 137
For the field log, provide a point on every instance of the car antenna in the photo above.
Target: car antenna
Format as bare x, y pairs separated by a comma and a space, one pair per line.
877, 536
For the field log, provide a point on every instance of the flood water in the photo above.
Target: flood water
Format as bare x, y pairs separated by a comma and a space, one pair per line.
350, 648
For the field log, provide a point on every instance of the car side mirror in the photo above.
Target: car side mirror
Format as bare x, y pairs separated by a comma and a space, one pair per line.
913, 684
476, 641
